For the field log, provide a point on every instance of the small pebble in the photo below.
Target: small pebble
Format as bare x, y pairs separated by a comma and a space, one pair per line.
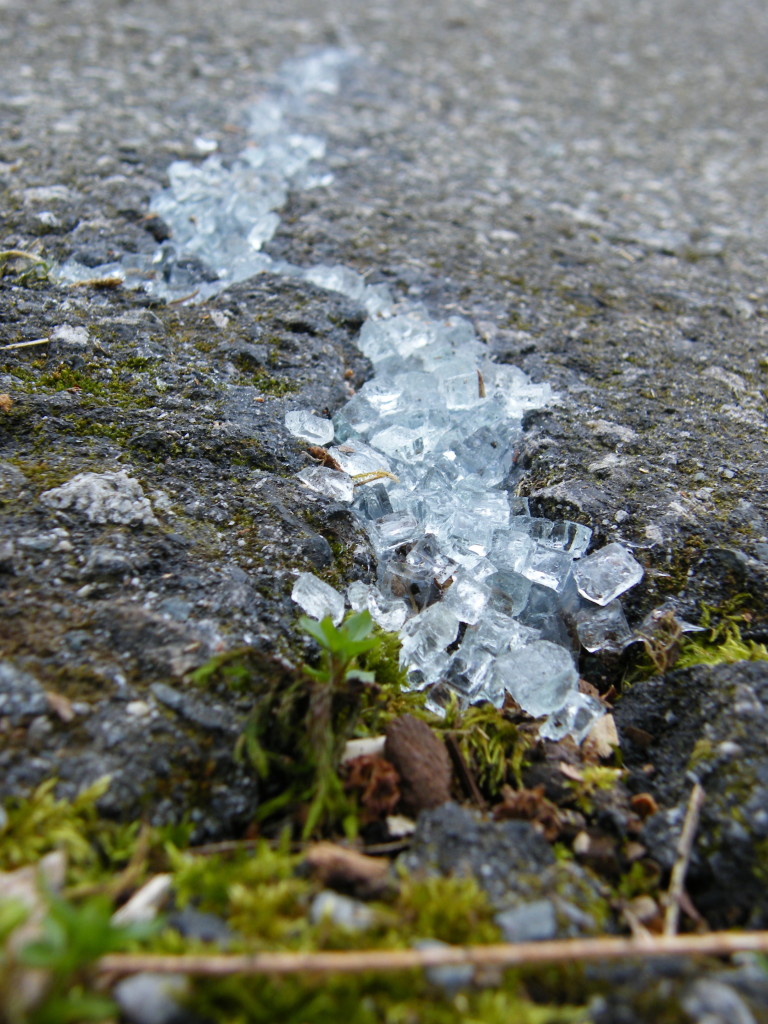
137, 708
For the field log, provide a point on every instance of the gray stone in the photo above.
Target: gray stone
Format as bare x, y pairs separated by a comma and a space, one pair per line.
451, 978
529, 922
696, 720
195, 711
103, 498
12, 481
503, 857
344, 912
147, 998
197, 924
709, 1001
72, 338
107, 563
21, 695
7, 556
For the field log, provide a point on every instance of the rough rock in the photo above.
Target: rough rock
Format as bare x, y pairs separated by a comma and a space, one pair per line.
105, 598
21, 695
707, 723
509, 860
103, 498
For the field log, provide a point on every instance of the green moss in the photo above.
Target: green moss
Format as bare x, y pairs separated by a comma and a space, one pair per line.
42, 473
277, 387
264, 898
703, 751
760, 866
43, 823
452, 909
594, 779
138, 363
64, 377
643, 878
492, 746
726, 652
722, 643
202, 345
404, 998
85, 427
93, 386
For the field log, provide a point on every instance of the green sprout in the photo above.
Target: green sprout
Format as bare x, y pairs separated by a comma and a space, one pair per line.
72, 939
297, 733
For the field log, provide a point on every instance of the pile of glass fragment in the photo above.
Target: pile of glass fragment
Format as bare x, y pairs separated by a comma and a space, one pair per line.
219, 213
487, 598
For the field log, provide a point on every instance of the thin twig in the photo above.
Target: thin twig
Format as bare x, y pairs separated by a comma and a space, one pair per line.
25, 344
684, 849
466, 776
111, 281
225, 846
501, 955
20, 254
639, 932
183, 298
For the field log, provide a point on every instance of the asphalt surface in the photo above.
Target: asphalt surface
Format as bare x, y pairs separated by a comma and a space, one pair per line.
585, 182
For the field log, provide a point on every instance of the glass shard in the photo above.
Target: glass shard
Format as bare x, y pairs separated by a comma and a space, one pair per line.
325, 481
317, 598
575, 718
604, 628
310, 428
539, 676
606, 573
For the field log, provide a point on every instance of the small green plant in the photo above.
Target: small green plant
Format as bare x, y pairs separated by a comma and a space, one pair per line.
297, 732
73, 938
336, 679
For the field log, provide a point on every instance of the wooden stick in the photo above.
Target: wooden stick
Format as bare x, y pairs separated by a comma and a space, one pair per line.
25, 344
680, 869
512, 954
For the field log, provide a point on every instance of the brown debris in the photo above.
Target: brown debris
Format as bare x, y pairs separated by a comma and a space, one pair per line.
598, 851
639, 737
347, 870
376, 782
589, 689
529, 805
6, 403
643, 917
602, 740
60, 705
324, 457
643, 804
422, 763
